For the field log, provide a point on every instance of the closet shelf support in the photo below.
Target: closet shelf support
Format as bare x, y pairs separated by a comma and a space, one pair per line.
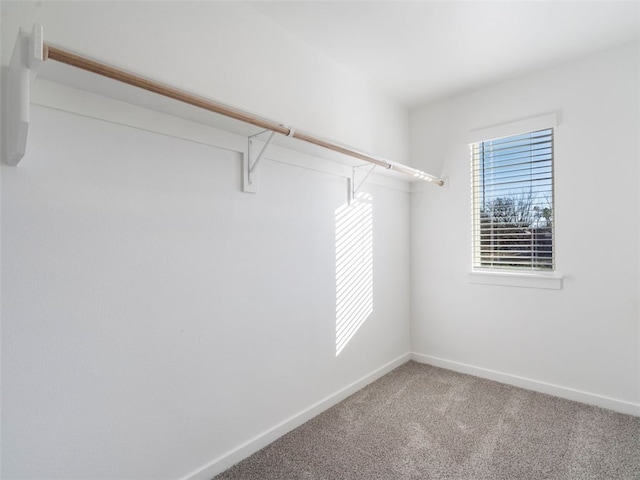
354, 185
251, 164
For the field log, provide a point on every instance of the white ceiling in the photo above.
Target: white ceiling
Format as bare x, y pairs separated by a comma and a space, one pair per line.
419, 51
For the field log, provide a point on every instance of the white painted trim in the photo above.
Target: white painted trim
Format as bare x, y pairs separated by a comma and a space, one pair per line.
516, 127
220, 464
621, 406
551, 281
87, 104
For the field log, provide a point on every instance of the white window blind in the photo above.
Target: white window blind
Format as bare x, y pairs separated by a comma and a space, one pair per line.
512, 181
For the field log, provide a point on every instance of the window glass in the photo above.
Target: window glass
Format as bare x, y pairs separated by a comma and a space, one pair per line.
513, 222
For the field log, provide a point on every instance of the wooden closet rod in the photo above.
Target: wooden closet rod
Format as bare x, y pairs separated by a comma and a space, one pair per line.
60, 55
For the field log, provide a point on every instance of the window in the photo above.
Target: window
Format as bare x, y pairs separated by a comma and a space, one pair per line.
513, 212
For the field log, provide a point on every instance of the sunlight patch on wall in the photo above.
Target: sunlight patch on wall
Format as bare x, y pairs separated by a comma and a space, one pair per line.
354, 267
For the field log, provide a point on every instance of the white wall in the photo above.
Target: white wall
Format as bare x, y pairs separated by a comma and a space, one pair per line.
154, 317
226, 51
586, 336
157, 322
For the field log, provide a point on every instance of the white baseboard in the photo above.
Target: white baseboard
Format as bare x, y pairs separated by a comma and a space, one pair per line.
529, 384
229, 459
220, 464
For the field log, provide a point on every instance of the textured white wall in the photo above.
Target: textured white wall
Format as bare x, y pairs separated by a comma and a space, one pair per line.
154, 317
585, 336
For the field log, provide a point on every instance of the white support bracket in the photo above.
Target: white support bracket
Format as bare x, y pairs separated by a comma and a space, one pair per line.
249, 164
250, 177
28, 54
355, 186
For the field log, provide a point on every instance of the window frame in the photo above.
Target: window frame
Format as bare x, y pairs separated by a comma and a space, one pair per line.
514, 276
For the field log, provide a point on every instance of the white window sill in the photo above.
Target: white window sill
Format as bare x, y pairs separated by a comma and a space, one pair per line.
552, 281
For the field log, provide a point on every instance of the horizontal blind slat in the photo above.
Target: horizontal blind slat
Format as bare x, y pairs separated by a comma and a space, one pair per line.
508, 165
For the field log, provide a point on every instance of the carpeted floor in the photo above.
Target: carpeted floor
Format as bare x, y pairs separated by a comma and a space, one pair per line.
423, 422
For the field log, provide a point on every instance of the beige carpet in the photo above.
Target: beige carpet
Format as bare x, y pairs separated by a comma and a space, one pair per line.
423, 422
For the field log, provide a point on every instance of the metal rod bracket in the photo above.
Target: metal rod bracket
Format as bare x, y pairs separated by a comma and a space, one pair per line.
250, 163
354, 186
